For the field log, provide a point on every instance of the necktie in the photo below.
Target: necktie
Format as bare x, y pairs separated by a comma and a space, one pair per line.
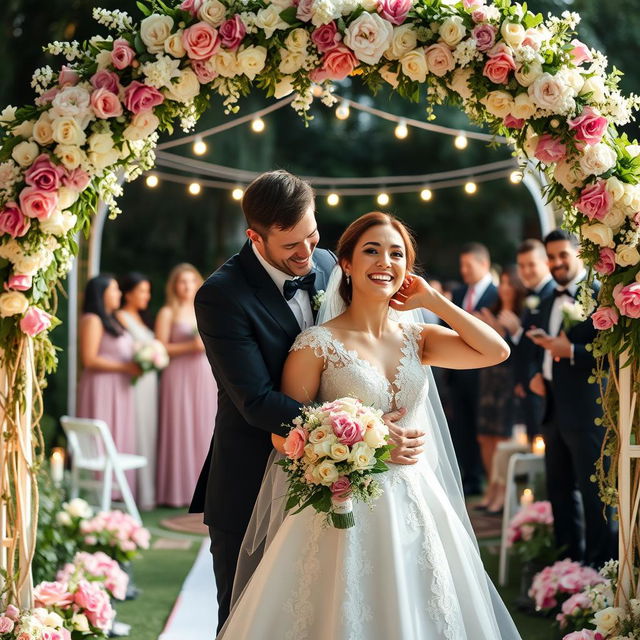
470, 300
562, 292
305, 282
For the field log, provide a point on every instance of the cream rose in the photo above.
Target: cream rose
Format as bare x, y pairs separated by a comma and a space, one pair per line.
596, 87
552, 93
320, 435
103, 160
269, 20
213, 12
527, 75
523, 107
440, 59
154, 30
597, 159
100, 142
414, 65
24, 129
78, 508
80, 622
339, 452
142, 126
310, 454
568, 175
173, 45
251, 61
631, 199
290, 61
326, 473
615, 218
24, 153
66, 130
615, 188
42, 130
70, 155
297, 41
627, 255
599, 234
13, 303
403, 40
606, 619
67, 197
498, 103
389, 76
322, 448
59, 223
452, 30
460, 82
283, 88
362, 456
512, 33
374, 438
184, 88
574, 79
226, 64
368, 36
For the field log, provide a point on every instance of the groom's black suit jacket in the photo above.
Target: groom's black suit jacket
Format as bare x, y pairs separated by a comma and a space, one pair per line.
247, 328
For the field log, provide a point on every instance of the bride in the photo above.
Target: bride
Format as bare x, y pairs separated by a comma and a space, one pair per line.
410, 569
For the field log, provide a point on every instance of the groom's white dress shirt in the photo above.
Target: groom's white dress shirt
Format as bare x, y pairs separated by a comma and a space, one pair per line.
300, 304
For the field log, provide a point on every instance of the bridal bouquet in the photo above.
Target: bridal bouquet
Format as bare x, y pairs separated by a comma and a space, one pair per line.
332, 452
151, 356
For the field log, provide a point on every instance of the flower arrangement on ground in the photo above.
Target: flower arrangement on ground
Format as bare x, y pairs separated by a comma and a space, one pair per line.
530, 533
96, 567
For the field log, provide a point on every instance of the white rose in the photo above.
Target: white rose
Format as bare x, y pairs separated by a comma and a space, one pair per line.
80, 622
53, 620
627, 255
59, 223
368, 36
389, 76
283, 88
595, 86
24, 129
269, 20
213, 12
24, 153
142, 126
568, 175
460, 82
339, 452
66, 130
67, 197
100, 142
498, 103
369, 5
9, 250
226, 63
72, 102
13, 303
633, 150
597, 159
615, 218
184, 88
362, 456
512, 33
291, 61
374, 438
70, 155
452, 30
103, 59
607, 618
63, 519
251, 60
527, 75
599, 234
523, 107
414, 65
552, 93
78, 508
30, 264
154, 30
631, 198
173, 45
403, 40
297, 41
326, 473
103, 160
322, 448
320, 434
8, 114
42, 129
615, 188
574, 79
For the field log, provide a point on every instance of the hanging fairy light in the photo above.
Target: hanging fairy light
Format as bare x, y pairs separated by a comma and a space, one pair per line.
426, 195
342, 110
460, 141
470, 187
257, 125
237, 193
401, 131
199, 146
195, 188
333, 199
152, 180
516, 177
317, 90
383, 199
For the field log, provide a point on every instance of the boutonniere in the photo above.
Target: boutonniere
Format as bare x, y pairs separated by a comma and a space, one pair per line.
572, 314
318, 299
532, 302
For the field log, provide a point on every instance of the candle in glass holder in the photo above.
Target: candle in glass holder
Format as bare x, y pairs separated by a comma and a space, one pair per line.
57, 465
526, 498
538, 445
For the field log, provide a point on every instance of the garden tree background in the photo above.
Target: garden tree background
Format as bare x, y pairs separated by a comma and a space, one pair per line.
165, 226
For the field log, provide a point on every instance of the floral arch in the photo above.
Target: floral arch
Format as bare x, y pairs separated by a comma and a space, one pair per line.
99, 116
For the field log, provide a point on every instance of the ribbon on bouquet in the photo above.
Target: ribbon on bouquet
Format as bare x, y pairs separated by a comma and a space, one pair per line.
342, 513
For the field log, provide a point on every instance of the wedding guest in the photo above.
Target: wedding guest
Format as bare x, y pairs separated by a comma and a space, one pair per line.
477, 293
133, 315
584, 527
106, 350
188, 393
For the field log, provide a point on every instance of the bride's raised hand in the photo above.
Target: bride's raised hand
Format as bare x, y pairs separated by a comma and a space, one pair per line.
415, 293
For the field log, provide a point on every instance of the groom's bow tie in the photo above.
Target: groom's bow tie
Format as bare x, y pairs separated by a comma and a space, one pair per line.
305, 282
562, 292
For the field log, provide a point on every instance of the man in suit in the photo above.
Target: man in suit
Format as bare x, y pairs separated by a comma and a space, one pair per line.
477, 293
572, 439
249, 313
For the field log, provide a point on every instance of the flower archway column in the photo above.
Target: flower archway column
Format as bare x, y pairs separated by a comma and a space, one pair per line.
534, 180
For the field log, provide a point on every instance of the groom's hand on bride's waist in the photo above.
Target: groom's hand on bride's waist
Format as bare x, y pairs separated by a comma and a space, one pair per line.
408, 444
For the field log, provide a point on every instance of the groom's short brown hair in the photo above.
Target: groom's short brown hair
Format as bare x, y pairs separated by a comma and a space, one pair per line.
276, 199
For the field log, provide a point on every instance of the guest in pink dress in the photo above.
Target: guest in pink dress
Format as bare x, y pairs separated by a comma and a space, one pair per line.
105, 391
188, 393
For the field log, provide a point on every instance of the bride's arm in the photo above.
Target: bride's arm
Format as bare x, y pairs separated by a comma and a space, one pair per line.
300, 381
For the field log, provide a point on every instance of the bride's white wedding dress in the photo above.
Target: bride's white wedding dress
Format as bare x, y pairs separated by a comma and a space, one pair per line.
409, 569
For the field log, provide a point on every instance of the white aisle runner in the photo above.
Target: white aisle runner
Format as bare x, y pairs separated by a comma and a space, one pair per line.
195, 613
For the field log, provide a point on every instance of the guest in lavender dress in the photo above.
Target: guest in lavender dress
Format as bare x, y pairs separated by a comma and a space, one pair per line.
135, 318
105, 391
188, 393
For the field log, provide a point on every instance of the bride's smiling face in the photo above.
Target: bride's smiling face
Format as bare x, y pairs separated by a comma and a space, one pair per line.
379, 262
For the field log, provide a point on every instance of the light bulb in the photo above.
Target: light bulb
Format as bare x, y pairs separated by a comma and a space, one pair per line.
195, 188
515, 177
152, 180
199, 147
257, 125
342, 110
460, 141
426, 194
333, 199
471, 187
317, 90
237, 193
383, 199
401, 131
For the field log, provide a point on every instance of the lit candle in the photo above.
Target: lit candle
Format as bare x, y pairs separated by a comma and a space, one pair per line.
57, 465
520, 435
526, 498
538, 445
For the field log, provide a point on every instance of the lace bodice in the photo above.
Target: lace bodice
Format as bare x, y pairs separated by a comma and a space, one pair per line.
347, 374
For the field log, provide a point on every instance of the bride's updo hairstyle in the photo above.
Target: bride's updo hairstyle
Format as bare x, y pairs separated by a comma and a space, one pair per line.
352, 234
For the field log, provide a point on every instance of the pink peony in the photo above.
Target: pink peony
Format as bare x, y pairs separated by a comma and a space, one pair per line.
36, 203
595, 200
12, 221
484, 35
347, 431
122, 54
201, 41
589, 126
512, 122
139, 97
51, 594
580, 53
94, 602
105, 104
295, 442
499, 65
77, 180
605, 318
19, 282
627, 299
326, 37
47, 96
480, 14
192, 6
105, 79
232, 33
576, 601
43, 174
337, 64
304, 12
395, 11
68, 77
341, 488
205, 72
35, 321
606, 264
6, 624
550, 149
12, 612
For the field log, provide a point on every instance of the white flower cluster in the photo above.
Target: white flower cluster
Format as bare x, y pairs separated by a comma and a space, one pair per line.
116, 20
70, 50
109, 188
302, 101
159, 74
42, 79
9, 174
465, 52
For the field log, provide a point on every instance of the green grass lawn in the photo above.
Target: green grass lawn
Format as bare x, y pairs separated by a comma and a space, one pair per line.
160, 574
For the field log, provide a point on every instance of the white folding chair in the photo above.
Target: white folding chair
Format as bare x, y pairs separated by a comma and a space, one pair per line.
92, 449
520, 464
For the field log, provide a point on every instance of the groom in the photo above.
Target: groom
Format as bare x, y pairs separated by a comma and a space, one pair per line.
249, 313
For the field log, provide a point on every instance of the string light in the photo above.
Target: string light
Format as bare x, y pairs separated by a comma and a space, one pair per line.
195, 188
515, 177
426, 194
333, 199
470, 187
342, 110
152, 180
317, 90
460, 141
402, 131
383, 199
257, 125
237, 193
199, 147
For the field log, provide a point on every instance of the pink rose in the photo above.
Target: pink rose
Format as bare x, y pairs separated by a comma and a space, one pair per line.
68, 77
12, 612
36, 203
6, 624
122, 54
192, 6
576, 601
395, 11
43, 174
201, 41
12, 221
232, 33
95, 603
439, 59
484, 35
584, 634
50, 594
205, 72
337, 64
550, 149
627, 299
304, 12
341, 488
47, 96
605, 318
606, 264
78, 179
480, 14
139, 97
499, 65
347, 431
512, 122
595, 200
295, 442
580, 53
105, 104
589, 126
19, 282
35, 321
105, 79
326, 37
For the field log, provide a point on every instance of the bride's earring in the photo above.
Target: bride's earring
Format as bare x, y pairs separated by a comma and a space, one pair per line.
348, 279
